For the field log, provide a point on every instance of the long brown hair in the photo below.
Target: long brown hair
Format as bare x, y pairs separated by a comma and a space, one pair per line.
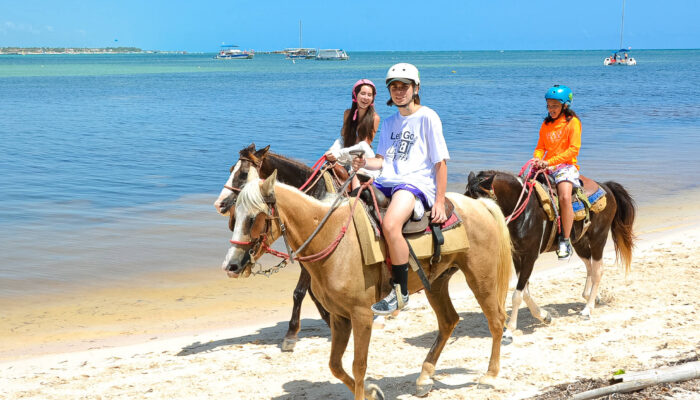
355, 130
568, 114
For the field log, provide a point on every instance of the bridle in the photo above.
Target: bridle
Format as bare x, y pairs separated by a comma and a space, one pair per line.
260, 244
244, 174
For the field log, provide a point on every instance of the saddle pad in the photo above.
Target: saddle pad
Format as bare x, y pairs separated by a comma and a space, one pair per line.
597, 200
374, 249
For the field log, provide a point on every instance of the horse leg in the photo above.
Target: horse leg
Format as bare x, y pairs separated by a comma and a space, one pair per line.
512, 324
595, 275
523, 266
290, 339
535, 310
439, 299
483, 288
589, 278
340, 334
362, 333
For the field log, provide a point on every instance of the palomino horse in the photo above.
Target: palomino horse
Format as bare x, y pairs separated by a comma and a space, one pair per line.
531, 230
347, 288
292, 173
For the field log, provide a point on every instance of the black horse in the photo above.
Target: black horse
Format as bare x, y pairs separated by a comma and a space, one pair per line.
531, 233
292, 173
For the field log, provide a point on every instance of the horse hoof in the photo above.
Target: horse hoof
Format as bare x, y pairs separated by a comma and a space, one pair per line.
547, 318
585, 315
487, 382
507, 337
423, 390
373, 392
288, 344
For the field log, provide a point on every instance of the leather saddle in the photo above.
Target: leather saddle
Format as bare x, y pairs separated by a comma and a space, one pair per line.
411, 226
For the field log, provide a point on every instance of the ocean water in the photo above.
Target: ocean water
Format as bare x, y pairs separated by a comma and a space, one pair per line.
109, 164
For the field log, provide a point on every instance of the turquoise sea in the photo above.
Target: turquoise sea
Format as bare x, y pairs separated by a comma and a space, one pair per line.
109, 164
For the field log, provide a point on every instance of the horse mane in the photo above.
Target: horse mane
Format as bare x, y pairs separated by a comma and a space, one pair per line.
251, 198
283, 161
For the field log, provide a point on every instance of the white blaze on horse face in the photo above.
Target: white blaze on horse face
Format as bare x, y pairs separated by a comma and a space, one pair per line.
226, 192
236, 252
250, 203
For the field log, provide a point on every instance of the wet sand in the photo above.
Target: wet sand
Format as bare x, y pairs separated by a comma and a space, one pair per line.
217, 331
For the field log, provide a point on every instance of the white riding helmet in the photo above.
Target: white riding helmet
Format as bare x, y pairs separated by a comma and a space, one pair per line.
403, 72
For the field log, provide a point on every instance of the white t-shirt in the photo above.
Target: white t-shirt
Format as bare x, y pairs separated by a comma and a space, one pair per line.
411, 147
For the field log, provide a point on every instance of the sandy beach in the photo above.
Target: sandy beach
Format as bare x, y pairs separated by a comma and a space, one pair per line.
195, 335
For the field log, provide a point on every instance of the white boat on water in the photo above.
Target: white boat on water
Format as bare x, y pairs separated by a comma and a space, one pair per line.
332, 54
621, 57
230, 52
300, 53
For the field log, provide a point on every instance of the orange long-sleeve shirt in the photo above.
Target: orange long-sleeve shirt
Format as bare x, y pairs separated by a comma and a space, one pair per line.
560, 141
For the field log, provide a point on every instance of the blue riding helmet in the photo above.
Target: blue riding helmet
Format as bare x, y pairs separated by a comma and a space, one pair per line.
561, 93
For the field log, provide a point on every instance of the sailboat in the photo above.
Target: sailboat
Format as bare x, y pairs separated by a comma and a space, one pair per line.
300, 53
621, 57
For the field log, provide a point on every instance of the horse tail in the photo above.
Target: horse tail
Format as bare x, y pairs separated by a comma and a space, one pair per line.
505, 257
622, 230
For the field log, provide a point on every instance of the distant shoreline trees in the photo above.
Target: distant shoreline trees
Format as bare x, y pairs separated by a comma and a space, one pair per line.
68, 50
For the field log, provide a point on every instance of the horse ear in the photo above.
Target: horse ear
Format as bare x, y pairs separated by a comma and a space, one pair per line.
488, 180
251, 147
268, 186
262, 152
471, 176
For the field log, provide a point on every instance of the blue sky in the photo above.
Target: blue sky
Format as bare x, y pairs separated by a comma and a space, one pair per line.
352, 24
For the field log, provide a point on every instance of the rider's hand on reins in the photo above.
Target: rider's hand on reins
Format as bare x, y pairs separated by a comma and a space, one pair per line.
330, 157
358, 159
438, 213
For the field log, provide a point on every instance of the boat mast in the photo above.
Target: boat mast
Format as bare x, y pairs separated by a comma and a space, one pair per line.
622, 24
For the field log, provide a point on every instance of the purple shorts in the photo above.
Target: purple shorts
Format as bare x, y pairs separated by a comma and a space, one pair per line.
389, 191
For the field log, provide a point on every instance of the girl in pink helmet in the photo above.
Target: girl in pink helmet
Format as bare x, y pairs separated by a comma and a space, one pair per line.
411, 158
360, 124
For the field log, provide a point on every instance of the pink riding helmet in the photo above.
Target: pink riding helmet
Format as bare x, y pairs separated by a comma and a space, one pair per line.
354, 95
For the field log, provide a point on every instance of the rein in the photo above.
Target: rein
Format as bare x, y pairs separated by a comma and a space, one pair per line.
316, 167
530, 182
294, 255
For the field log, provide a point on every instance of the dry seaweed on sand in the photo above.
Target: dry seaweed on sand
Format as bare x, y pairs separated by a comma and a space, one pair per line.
664, 391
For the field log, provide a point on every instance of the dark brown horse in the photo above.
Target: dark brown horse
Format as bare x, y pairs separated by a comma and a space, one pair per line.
292, 173
531, 230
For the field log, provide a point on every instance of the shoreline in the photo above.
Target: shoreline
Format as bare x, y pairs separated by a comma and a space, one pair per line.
644, 321
202, 299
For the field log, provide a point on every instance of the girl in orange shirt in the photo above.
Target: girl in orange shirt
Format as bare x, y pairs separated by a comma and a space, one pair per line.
557, 148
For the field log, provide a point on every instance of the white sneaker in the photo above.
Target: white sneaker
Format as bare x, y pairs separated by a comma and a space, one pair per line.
389, 304
564, 250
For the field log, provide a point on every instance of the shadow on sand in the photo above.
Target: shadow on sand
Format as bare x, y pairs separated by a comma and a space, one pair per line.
270, 335
391, 386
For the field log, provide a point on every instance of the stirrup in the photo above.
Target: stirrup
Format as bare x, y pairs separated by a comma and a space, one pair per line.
400, 304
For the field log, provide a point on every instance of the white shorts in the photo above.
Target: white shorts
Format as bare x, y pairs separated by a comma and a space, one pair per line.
568, 173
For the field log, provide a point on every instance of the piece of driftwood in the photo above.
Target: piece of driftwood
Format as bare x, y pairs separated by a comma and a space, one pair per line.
633, 381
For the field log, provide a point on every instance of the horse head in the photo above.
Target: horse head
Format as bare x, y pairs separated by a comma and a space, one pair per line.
253, 229
239, 175
480, 185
